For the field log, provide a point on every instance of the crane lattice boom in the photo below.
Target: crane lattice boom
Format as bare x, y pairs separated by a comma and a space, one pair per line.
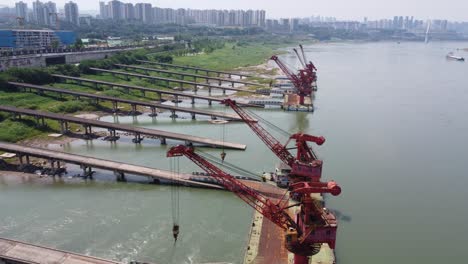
273, 211
304, 164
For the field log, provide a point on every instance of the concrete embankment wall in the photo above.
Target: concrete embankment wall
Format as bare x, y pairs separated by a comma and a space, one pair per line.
42, 60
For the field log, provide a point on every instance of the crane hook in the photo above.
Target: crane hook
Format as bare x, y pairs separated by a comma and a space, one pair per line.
175, 232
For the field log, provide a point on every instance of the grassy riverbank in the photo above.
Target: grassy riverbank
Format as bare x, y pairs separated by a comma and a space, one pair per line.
217, 55
233, 55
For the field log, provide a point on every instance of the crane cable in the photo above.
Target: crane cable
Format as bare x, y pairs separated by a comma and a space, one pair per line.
268, 123
175, 169
223, 154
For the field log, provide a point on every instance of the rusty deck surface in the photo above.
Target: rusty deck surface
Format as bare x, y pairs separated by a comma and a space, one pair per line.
193, 68
12, 251
174, 80
128, 101
109, 165
147, 89
126, 128
124, 66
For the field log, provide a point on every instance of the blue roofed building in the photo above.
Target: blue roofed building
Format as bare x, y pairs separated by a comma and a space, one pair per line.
35, 39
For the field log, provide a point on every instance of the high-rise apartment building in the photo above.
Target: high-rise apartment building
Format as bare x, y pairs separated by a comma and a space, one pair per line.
148, 14
116, 10
22, 10
71, 13
129, 11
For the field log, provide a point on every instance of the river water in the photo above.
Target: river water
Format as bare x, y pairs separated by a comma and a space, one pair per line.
394, 116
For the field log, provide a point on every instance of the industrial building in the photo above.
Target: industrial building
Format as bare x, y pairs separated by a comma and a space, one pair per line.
35, 39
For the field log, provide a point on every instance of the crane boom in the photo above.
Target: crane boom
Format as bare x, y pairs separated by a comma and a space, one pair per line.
302, 60
273, 211
304, 164
304, 235
291, 76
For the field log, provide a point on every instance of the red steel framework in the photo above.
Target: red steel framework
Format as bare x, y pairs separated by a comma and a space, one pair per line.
312, 226
304, 81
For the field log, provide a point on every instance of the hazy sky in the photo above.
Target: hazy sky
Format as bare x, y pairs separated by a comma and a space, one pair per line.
342, 9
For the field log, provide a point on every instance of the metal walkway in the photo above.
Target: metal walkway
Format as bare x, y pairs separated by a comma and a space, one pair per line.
196, 69
195, 76
112, 128
160, 92
16, 252
180, 82
86, 163
133, 103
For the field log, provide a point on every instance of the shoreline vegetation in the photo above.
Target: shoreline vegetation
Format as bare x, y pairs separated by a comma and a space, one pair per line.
248, 56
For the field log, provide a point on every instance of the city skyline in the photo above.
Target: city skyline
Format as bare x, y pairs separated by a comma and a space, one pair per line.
343, 10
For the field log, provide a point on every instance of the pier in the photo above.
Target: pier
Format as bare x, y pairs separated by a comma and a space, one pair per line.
195, 85
132, 103
16, 252
194, 76
143, 90
138, 132
197, 69
86, 163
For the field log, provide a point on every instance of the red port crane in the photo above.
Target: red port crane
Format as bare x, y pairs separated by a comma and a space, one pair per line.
305, 164
304, 81
304, 235
309, 66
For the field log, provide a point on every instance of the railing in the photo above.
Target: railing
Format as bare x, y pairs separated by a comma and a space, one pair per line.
63, 50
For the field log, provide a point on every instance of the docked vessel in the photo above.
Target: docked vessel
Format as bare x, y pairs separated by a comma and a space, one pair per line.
451, 56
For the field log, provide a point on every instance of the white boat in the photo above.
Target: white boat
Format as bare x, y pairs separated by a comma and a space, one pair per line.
453, 57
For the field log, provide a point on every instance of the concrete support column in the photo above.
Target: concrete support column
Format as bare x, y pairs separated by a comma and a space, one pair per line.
120, 176
224, 91
27, 159
62, 127
153, 111
134, 109
195, 88
193, 100
163, 141
114, 106
193, 116
173, 114
232, 84
210, 102
219, 82
87, 172
209, 90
